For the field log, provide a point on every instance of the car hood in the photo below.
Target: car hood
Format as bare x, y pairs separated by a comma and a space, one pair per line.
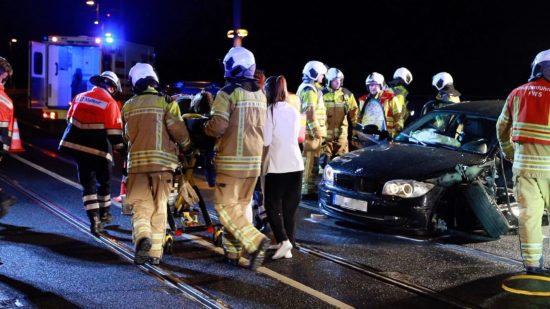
403, 161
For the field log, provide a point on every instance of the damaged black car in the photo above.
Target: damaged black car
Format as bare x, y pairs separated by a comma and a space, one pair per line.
443, 172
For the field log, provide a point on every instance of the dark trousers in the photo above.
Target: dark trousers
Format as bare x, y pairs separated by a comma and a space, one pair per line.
94, 174
282, 197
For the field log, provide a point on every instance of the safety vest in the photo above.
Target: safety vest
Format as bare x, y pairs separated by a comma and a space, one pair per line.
94, 124
311, 97
529, 106
6, 119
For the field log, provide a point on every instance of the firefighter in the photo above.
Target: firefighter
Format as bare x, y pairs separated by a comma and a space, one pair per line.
341, 113
524, 138
154, 131
312, 104
447, 93
239, 112
379, 106
402, 78
94, 129
6, 128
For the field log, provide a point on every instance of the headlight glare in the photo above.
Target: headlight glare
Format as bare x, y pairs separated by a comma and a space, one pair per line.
328, 174
406, 188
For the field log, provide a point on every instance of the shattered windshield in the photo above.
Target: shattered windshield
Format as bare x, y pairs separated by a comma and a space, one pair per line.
463, 132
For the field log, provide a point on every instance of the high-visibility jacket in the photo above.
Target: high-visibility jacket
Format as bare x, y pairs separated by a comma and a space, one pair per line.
390, 105
312, 104
94, 124
152, 132
340, 105
402, 112
239, 112
524, 131
6, 119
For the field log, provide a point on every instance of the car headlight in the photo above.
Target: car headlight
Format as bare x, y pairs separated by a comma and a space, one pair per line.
406, 188
328, 174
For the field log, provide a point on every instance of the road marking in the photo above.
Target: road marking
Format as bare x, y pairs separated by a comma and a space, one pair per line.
266, 271
277, 276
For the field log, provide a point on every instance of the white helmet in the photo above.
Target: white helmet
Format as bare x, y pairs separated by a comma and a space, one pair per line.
404, 74
313, 69
542, 60
106, 77
441, 80
140, 71
239, 62
334, 73
375, 78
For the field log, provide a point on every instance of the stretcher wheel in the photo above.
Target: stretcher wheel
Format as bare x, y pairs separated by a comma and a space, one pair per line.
217, 237
168, 244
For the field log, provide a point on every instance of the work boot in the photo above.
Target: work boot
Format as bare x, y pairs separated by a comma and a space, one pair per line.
537, 271
257, 257
6, 201
96, 226
142, 251
106, 217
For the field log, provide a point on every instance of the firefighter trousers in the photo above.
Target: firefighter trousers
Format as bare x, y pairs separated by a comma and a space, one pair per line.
533, 195
147, 193
231, 198
94, 174
311, 155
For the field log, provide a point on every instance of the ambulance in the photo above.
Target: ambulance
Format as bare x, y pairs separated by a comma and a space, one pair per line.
61, 66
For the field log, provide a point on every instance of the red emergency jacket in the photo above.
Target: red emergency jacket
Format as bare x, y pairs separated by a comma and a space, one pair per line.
6, 119
94, 124
530, 104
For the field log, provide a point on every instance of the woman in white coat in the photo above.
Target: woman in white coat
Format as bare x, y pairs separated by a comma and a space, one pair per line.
284, 163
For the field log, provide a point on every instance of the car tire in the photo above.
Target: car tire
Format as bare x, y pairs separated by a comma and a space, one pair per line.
483, 205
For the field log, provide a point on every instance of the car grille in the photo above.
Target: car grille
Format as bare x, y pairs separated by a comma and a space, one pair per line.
361, 184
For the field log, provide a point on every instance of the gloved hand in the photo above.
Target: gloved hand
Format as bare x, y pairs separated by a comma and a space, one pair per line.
383, 135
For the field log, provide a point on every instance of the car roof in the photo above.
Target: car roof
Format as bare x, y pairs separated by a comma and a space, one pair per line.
487, 108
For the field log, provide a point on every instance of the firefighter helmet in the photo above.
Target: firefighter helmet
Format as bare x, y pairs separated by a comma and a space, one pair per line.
404, 74
5, 66
541, 62
239, 62
108, 78
334, 73
375, 78
441, 80
141, 71
314, 69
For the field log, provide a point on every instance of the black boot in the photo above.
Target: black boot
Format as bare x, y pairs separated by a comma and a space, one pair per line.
96, 226
105, 215
142, 251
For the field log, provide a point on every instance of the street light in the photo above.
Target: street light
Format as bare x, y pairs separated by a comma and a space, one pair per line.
237, 40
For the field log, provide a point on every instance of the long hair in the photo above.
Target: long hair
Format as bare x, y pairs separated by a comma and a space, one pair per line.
276, 89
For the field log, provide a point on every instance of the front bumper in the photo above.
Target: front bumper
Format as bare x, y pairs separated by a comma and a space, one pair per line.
382, 211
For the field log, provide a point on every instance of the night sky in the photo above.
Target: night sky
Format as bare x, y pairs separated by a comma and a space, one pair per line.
486, 45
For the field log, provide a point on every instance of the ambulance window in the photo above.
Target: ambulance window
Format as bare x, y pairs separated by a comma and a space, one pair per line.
37, 61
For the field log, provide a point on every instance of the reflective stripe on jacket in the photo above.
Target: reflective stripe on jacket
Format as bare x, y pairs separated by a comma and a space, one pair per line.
239, 112
94, 124
152, 132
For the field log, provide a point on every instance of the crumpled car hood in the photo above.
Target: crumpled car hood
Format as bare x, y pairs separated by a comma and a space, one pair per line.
402, 161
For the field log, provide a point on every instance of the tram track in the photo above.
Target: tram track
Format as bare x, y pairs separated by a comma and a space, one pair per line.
121, 249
